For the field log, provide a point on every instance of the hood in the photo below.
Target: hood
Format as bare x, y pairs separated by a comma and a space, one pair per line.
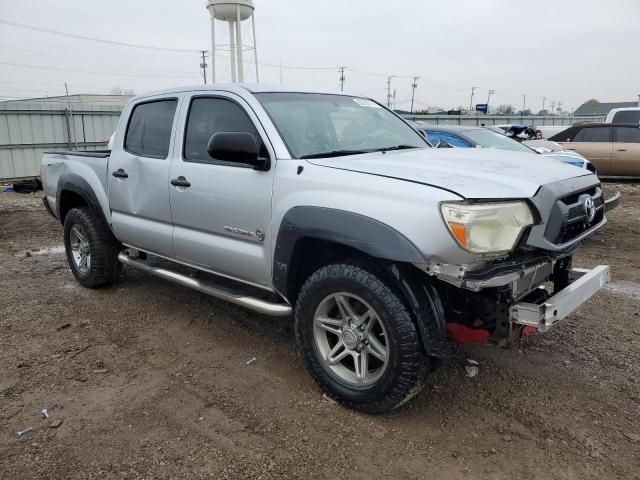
468, 172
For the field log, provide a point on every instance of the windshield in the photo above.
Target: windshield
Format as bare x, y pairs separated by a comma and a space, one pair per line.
324, 125
489, 139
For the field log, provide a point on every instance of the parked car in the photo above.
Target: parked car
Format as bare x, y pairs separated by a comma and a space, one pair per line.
516, 132
331, 208
543, 132
614, 148
481, 137
554, 149
624, 115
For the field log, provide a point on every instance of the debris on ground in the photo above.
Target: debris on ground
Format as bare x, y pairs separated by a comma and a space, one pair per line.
45, 413
251, 361
101, 370
55, 424
472, 368
23, 433
634, 437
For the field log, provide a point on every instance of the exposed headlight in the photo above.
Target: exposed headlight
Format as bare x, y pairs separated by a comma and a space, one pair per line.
488, 229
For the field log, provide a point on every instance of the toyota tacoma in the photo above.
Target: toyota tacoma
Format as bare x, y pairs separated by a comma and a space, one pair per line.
333, 210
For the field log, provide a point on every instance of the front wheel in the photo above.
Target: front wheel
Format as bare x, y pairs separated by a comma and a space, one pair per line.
91, 252
357, 339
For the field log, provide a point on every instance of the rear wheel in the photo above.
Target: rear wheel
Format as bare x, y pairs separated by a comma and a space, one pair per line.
357, 339
91, 251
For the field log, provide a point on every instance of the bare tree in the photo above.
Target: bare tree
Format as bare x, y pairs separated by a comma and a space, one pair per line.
505, 110
116, 91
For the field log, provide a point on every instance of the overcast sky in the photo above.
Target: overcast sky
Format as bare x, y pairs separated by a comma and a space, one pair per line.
568, 50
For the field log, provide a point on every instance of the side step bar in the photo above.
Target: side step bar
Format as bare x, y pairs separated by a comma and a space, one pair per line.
217, 291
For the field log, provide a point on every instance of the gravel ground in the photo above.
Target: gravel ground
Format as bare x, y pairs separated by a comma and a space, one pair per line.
150, 380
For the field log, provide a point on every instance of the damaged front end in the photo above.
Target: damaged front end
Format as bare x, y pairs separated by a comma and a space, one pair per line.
535, 286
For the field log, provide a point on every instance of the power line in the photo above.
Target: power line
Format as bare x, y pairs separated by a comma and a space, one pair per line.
83, 61
93, 39
96, 73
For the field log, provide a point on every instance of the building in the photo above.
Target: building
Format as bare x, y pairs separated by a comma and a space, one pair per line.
29, 127
598, 108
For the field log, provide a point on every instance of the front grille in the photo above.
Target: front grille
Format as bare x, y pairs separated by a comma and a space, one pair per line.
569, 218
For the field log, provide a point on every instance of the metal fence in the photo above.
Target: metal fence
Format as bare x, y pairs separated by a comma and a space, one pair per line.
488, 120
27, 131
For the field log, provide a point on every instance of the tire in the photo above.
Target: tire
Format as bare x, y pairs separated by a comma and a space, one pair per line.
102, 266
394, 377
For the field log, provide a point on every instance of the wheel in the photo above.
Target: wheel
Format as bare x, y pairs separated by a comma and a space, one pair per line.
358, 340
91, 252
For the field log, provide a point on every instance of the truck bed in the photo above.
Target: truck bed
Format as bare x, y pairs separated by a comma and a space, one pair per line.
90, 166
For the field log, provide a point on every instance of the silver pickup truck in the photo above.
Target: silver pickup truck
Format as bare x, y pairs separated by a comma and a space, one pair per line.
331, 208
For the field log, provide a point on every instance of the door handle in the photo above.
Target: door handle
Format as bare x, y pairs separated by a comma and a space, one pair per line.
180, 182
120, 173
622, 149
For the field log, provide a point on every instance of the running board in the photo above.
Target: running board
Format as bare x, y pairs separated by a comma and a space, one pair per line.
217, 291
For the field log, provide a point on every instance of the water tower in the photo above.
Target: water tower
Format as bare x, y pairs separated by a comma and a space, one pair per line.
234, 12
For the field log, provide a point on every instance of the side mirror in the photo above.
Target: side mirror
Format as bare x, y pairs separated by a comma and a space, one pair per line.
443, 144
238, 147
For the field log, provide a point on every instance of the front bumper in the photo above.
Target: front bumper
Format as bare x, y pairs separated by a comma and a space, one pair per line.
583, 285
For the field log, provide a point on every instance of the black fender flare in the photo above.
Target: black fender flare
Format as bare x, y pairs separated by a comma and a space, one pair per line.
353, 230
72, 182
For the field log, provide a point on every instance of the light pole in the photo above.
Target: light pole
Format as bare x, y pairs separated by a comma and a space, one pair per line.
473, 90
389, 91
491, 92
342, 79
414, 85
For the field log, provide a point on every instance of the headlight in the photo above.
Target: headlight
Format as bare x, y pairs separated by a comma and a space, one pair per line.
486, 228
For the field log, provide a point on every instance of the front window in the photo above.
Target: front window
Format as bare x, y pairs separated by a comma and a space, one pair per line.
315, 125
489, 139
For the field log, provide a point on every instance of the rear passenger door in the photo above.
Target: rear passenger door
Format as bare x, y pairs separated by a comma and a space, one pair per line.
222, 220
626, 151
138, 176
595, 144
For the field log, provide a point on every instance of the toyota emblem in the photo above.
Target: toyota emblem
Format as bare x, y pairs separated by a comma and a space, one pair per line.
589, 209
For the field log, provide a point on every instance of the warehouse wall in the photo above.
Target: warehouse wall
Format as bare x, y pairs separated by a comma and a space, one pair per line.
27, 130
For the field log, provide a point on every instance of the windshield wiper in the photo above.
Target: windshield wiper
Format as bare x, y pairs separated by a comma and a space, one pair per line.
335, 153
395, 147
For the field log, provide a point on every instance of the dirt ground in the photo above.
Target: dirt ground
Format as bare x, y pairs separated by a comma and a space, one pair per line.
146, 379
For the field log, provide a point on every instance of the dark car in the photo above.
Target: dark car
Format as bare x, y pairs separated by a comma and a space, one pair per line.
614, 148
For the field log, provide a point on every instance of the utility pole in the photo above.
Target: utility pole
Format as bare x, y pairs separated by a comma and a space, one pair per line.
75, 137
559, 107
394, 99
414, 85
280, 71
639, 100
491, 92
389, 91
543, 100
342, 78
203, 66
524, 103
473, 90
553, 103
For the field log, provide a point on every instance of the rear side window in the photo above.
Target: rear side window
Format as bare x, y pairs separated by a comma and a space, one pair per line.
628, 116
208, 116
595, 134
149, 129
627, 134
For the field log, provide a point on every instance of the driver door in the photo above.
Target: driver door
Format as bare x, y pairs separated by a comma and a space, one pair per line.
221, 211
